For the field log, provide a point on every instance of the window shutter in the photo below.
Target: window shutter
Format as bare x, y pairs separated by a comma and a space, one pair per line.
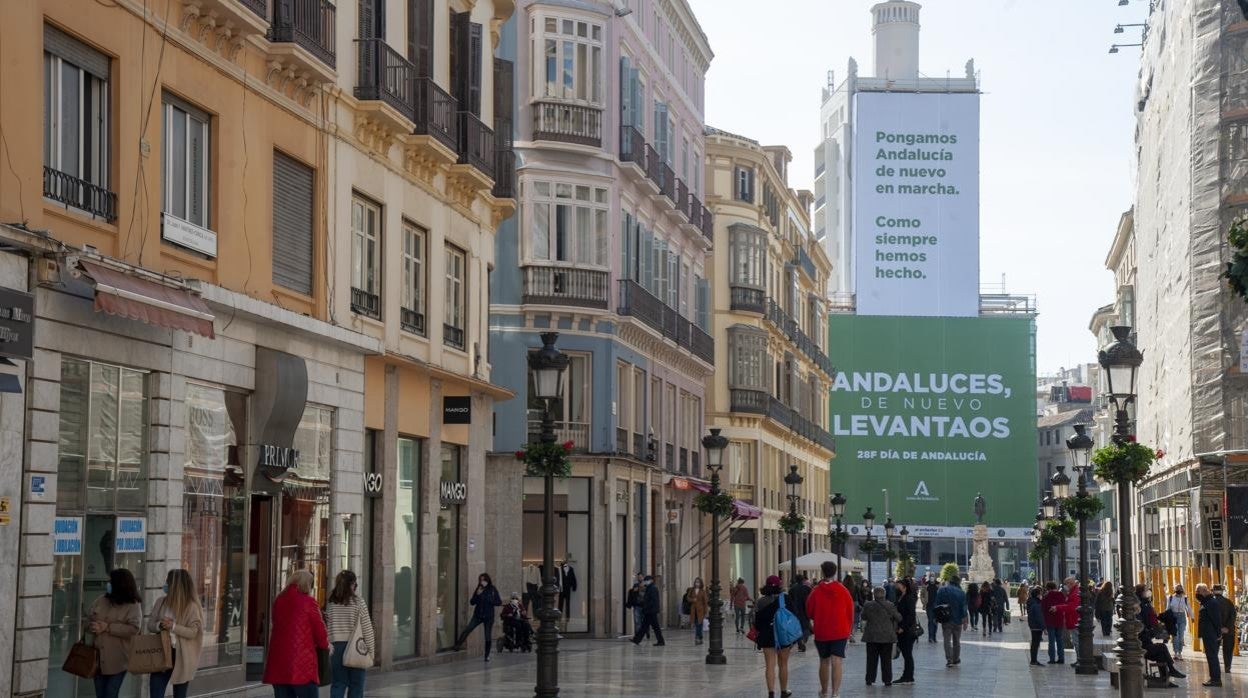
702, 304
626, 93
475, 48
420, 36
460, 50
292, 224
368, 19
64, 46
504, 100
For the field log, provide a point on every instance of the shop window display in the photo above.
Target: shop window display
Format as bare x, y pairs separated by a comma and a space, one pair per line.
572, 553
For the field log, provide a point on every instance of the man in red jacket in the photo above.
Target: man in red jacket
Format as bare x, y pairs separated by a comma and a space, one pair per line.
1071, 609
830, 609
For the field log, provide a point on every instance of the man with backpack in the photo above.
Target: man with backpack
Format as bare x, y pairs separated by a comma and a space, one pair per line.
830, 609
951, 613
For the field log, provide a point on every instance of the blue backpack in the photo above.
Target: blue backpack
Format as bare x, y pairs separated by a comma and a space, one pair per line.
785, 627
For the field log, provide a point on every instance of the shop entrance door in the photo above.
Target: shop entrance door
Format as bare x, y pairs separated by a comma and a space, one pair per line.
261, 584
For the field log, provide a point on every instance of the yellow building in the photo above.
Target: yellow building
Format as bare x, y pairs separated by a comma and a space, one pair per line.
770, 394
253, 238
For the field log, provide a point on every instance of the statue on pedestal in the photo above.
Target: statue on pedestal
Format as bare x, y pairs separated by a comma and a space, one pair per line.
981, 561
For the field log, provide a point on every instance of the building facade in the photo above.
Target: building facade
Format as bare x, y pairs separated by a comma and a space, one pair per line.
609, 248
203, 389
770, 397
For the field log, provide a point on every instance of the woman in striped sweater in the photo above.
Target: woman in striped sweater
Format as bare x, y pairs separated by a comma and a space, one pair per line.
341, 613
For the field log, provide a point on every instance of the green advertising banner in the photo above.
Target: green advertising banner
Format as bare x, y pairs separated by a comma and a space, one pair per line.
934, 410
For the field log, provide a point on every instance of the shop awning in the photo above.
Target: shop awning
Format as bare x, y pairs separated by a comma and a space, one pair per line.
740, 509
129, 296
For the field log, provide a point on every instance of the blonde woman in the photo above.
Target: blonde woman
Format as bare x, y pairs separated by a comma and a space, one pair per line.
297, 631
180, 613
341, 611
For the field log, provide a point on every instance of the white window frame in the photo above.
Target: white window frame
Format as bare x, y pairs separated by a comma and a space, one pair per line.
96, 126
577, 72
174, 109
414, 254
362, 239
584, 243
456, 276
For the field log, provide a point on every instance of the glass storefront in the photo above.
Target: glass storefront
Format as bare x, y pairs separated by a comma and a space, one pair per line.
448, 587
102, 476
305, 525
571, 534
213, 508
406, 520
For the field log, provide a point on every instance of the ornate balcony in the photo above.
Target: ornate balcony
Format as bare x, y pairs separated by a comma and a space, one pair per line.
365, 303
79, 194
665, 178
633, 151
636, 301
654, 168
753, 401
746, 299
682, 198
581, 288
576, 432
233, 21
476, 144
387, 80
412, 321
309, 28
435, 114
567, 123
505, 162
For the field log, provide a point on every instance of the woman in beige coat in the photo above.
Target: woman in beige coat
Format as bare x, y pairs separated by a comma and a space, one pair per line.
698, 607
114, 619
178, 612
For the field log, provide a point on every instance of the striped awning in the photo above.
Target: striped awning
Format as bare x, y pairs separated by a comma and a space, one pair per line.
136, 298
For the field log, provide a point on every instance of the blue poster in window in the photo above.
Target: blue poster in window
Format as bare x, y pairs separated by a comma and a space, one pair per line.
67, 535
131, 534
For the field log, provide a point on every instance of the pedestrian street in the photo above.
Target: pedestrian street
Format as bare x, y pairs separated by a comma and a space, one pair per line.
605, 668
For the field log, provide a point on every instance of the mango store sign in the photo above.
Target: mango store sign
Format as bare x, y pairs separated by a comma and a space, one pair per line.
131, 534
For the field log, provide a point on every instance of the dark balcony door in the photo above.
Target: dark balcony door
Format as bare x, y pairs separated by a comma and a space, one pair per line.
466, 47
372, 19
420, 36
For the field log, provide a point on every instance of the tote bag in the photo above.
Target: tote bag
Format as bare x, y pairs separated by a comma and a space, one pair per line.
83, 660
150, 654
357, 654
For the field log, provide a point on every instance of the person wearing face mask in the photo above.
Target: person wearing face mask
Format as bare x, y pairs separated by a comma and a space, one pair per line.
1210, 626
698, 607
516, 628
114, 619
484, 600
1153, 649
650, 606
343, 611
179, 613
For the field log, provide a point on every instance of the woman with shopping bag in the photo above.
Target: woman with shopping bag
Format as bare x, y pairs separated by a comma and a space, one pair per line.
179, 614
351, 635
114, 619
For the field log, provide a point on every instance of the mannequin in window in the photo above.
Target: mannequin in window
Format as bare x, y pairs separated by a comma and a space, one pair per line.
532, 586
567, 585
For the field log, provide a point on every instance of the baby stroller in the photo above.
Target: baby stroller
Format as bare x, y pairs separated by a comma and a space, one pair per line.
517, 633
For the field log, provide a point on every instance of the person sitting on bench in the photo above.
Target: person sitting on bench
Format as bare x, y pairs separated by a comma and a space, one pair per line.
1155, 650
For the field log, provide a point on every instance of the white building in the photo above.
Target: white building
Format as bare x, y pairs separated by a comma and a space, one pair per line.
895, 26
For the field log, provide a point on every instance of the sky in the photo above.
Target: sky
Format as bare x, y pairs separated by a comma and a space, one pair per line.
1057, 122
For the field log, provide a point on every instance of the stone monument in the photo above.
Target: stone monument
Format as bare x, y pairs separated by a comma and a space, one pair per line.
981, 561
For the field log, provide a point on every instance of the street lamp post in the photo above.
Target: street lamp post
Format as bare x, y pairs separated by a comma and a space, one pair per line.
1080, 446
1061, 490
547, 366
1042, 522
868, 521
904, 536
1049, 504
1121, 360
794, 482
837, 510
889, 529
715, 445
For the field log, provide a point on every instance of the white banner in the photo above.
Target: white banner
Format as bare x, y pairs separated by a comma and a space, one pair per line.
916, 204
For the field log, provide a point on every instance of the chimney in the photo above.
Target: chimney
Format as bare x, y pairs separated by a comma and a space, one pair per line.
895, 26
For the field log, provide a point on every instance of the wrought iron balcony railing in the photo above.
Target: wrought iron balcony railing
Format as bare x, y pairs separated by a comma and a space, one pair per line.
453, 336
310, 24
412, 321
632, 146
79, 193
365, 303
567, 123
476, 143
748, 299
583, 288
385, 75
435, 113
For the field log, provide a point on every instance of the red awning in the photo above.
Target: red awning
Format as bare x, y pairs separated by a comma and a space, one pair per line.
126, 295
740, 509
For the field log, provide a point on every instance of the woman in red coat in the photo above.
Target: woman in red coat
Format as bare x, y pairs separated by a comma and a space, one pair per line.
296, 631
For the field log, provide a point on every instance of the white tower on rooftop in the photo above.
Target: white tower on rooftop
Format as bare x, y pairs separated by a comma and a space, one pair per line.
895, 27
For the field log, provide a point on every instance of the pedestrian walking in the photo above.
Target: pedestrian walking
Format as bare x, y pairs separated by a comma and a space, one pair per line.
650, 607
485, 599
1054, 622
907, 628
987, 607
179, 613
740, 599
830, 608
954, 617
1000, 604
635, 601
1070, 613
1105, 607
879, 632
797, 604
1035, 622
1152, 638
114, 619
857, 590
343, 612
1181, 609
1228, 626
775, 658
698, 607
1210, 627
972, 604
1024, 595
296, 632
929, 604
